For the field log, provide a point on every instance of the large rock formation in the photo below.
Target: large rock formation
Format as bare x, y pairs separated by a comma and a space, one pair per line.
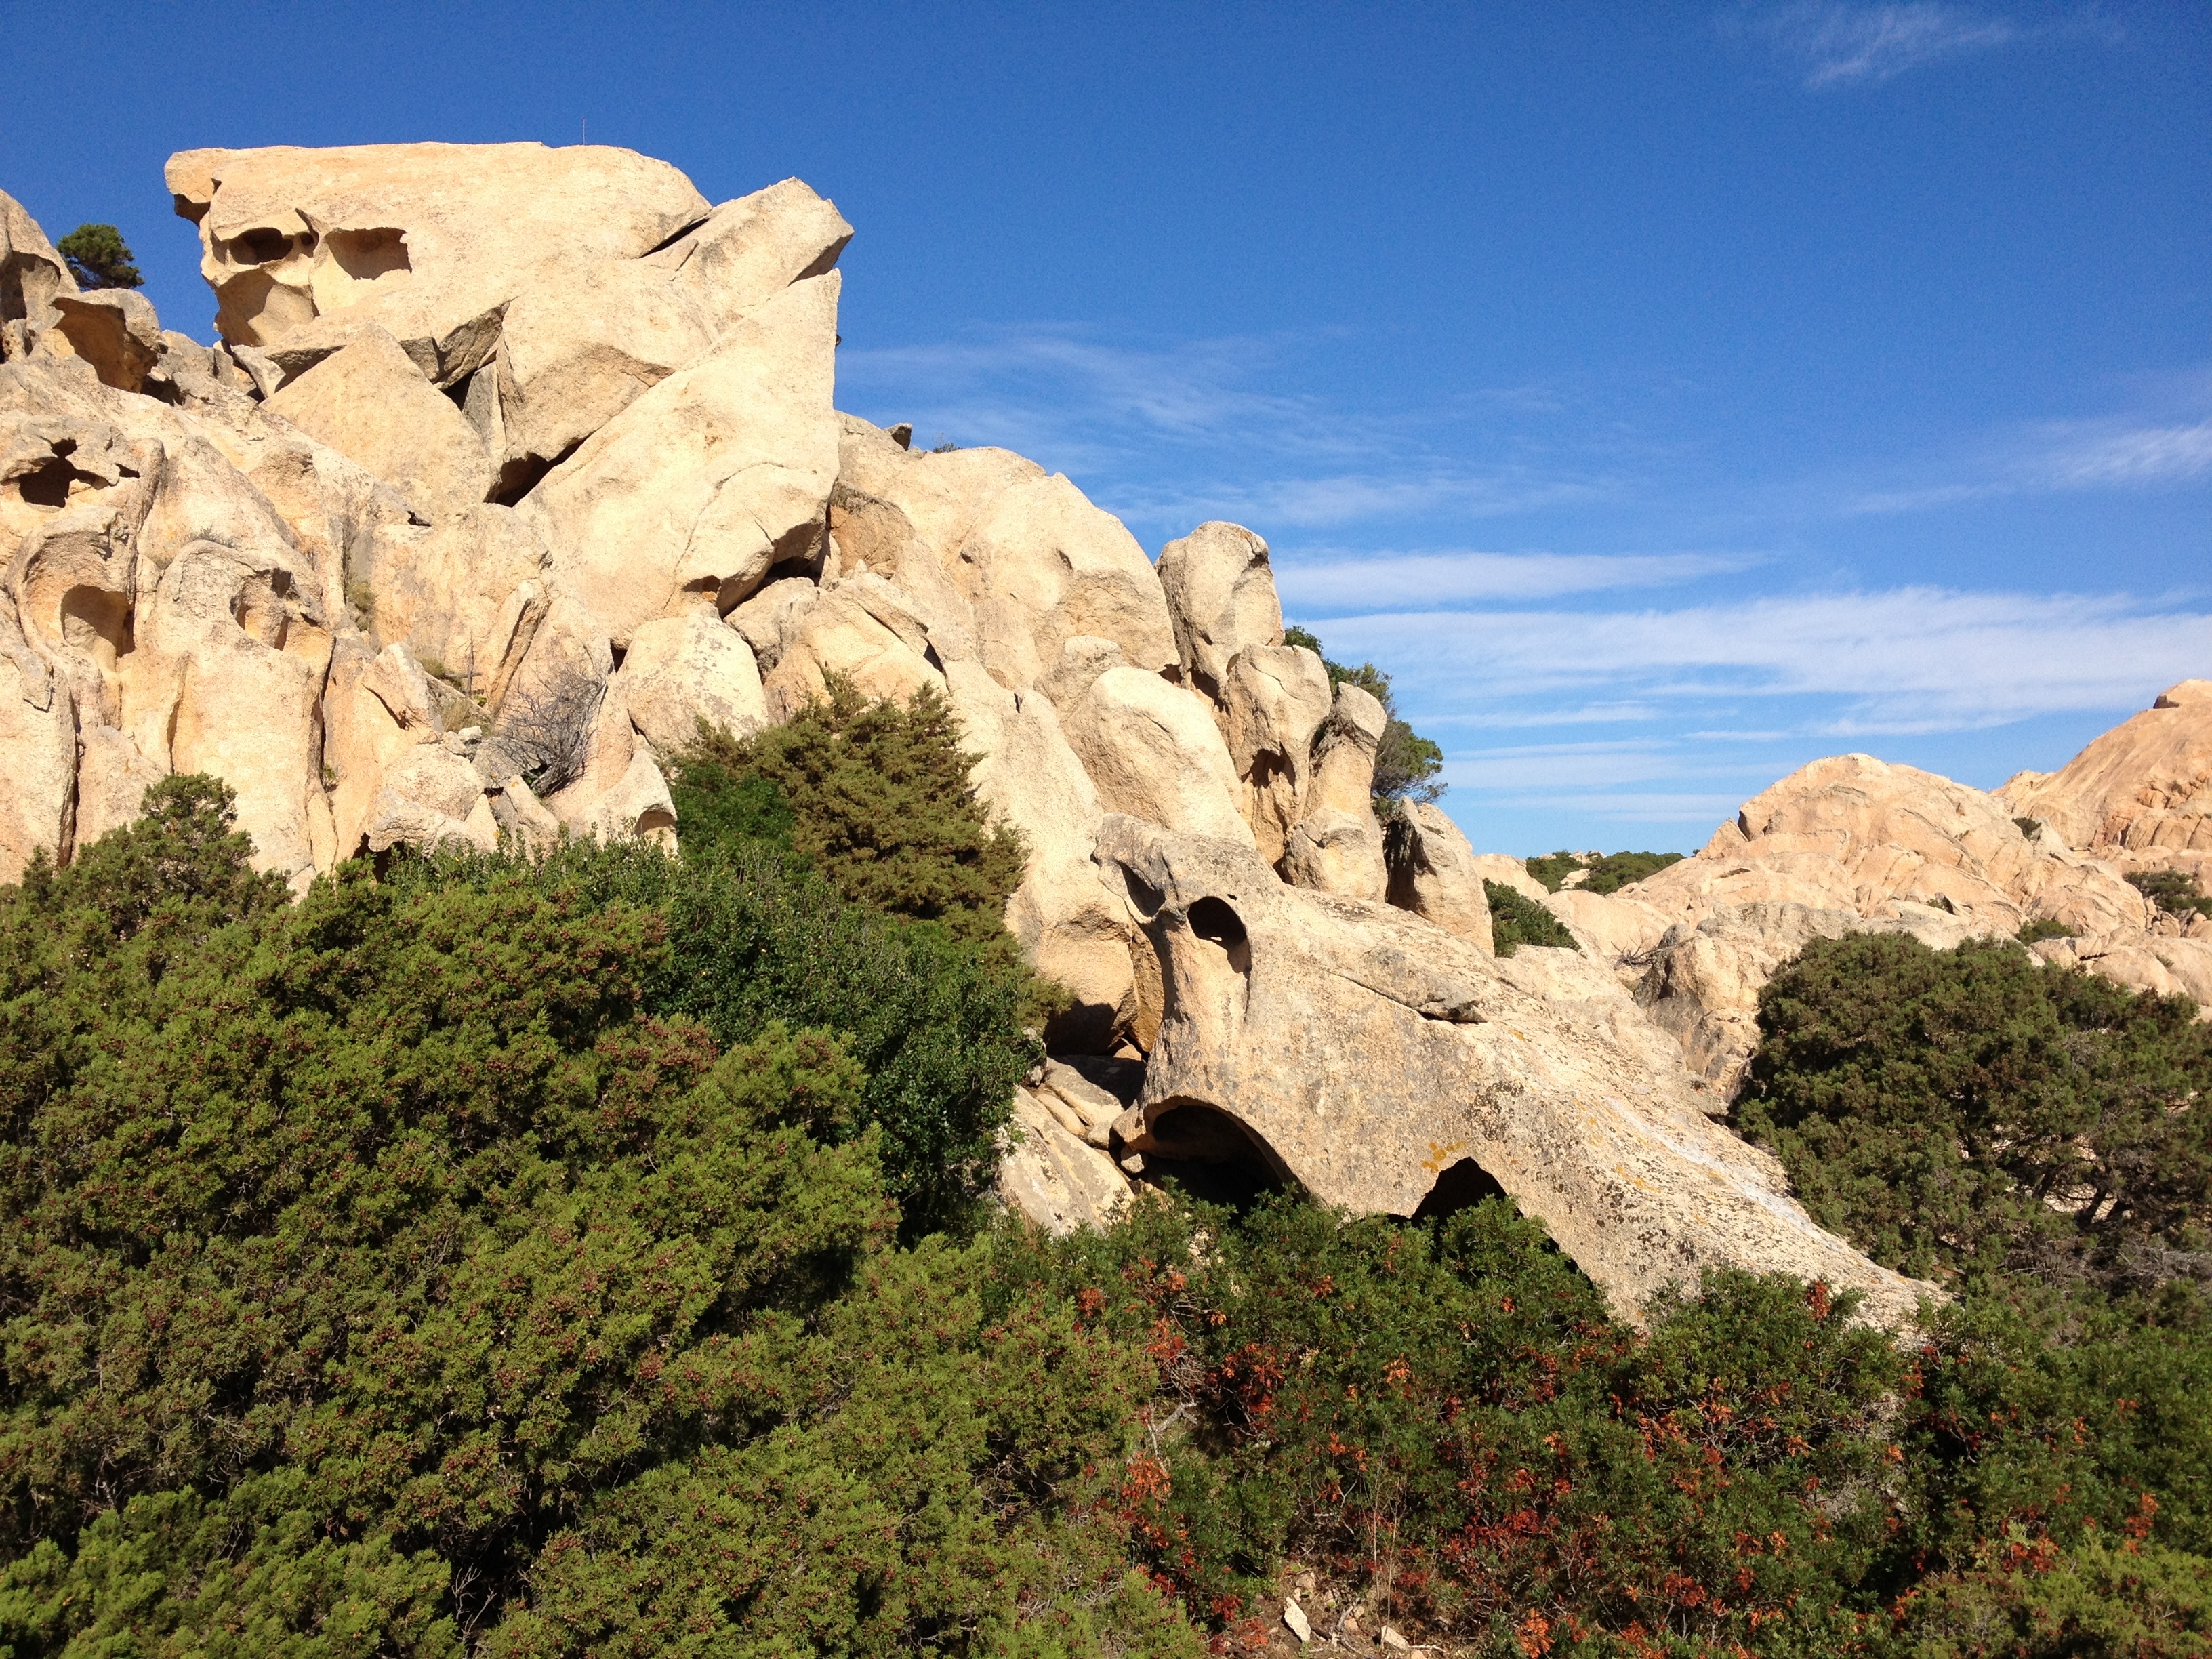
2141, 795
515, 463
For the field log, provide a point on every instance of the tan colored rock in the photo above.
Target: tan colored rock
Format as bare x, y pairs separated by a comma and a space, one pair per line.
578, 347
1052, 1178
872, 536
940, 495
1153, 751
2141, 793
226, 677
32, 273
751, 248
1072, 928
370, 401
466, 594
427, 241
707, 481
1433, 874
759, 622
683, 669
1274, 700
1369, 1056
114, 330
38, 752
1042, 566
1221, 600
111, 781
1852, 833
1509, 872
1336, 847
859, 627
1618, 927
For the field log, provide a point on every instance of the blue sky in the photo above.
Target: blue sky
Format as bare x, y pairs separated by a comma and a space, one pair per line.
1666, 395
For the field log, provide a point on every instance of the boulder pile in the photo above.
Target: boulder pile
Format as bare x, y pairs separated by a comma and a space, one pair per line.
513, 464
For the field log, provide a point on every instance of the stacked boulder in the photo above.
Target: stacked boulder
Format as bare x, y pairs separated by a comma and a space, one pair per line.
513, 464
1851, 844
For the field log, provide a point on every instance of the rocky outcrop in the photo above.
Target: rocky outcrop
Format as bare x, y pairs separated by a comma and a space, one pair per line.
2141, 795
515, 465
1384, 1065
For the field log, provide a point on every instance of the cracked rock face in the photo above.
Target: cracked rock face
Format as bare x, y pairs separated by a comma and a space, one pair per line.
1373, 1059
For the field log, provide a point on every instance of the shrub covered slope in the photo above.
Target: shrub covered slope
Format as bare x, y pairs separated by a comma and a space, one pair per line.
536, 1258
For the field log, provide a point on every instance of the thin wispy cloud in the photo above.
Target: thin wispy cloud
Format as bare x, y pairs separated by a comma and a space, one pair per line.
1389, 581
1901, 660
1837, 45
1168, 435
2051, 457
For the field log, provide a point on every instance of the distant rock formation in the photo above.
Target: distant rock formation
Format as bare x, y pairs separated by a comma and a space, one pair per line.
513, 463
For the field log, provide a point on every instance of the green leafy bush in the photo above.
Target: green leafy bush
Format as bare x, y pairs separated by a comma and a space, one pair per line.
1972, 1109
872, 795
2173, 891
99, 257
2044, 927
1608, 874
1406, 763
386, 1274
1516, 919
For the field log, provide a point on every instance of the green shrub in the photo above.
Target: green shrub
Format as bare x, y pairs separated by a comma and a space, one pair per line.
1965, 1110
1553, 869
387, 1273
1516, 919
1608, 874
874, 796
2044, 927
99, 257
2030, 828
2173, 891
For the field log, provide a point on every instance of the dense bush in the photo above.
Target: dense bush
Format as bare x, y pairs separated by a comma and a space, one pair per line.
501, 1256
1406, 763
2174, 892
1972, 1109
383, 1274
1516, 919
874, 796
1608, 873
99, 257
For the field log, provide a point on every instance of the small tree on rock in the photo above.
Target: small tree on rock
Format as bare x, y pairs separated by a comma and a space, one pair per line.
99, 257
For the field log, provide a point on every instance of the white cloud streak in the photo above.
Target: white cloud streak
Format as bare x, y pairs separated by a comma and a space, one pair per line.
1839, 44
1387, 580
1904, 660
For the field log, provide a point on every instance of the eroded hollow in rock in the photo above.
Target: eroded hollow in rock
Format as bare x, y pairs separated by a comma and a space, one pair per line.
1459, 1186
1210, 1155
1213, 921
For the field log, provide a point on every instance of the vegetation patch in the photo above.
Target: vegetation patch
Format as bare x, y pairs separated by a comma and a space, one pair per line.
1608, 873
1516, 919
1406, 763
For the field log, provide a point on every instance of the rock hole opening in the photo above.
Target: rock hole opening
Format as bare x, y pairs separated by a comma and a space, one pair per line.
1214, 920
259, 246
47, 484
1459, 1186
1211, 1155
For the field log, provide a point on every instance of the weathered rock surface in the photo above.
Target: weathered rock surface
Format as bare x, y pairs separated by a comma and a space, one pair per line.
1052, 1177
1154, 752
427, 241
1221, 599
705, 482
1365, 1054
2140, 795
1274, 700
1336, 846
681, 670
1435, 874
369, 401
31, 275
